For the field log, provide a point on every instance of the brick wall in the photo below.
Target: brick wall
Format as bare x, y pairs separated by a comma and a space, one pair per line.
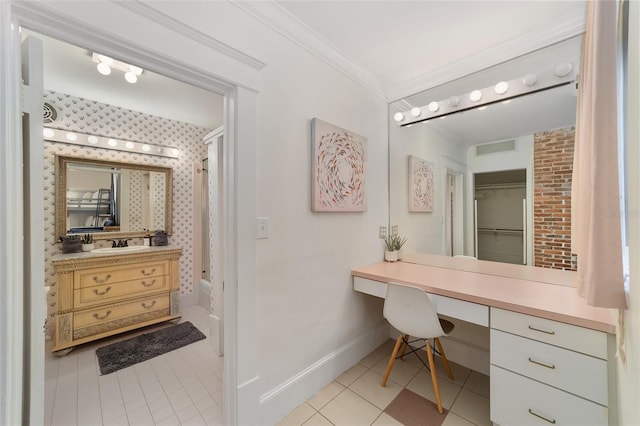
552, 167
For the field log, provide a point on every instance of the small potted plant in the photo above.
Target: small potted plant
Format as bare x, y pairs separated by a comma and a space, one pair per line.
398, 242
87, 242
390, 253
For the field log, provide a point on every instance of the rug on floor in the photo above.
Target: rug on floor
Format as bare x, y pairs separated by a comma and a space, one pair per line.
411, 409
123, 354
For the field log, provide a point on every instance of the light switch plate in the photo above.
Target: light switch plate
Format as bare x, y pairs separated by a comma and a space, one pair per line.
262, 226
382, 232
394, 230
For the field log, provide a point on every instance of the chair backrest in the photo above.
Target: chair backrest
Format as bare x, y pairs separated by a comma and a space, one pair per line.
409, 310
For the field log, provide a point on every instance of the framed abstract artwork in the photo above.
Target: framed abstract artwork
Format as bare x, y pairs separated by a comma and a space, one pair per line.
420, 185
339, 165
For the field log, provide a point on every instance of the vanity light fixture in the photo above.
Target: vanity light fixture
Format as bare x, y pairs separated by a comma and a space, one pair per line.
503, 91
74, 138
415, 112
105, 64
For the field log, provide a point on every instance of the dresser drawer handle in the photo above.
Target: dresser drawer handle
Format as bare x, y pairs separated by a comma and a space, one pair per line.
146, 274
144, 283
144, 304
533, 413
102, 293
551, 366
99, 281
98, 317
542, 331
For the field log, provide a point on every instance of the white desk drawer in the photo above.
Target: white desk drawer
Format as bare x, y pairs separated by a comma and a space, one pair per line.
517, 400
456, 308
580, 374
587, 341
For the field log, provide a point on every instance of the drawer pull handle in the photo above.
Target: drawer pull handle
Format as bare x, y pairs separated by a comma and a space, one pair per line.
98, 317
542, 331
144, 304
99, 281
551, 366
144, 283
553, 422
102, 293
146, 274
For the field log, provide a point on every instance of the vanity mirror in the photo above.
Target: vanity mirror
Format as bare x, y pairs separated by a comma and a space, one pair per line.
471, 151
111, 199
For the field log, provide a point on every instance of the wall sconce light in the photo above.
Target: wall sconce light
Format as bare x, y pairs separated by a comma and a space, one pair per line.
105, 64
503, 92
75, 138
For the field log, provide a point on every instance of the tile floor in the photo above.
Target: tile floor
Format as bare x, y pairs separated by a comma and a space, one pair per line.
182, 387
356, 397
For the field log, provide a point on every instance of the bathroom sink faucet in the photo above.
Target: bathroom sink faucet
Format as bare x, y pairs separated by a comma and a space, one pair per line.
123, 243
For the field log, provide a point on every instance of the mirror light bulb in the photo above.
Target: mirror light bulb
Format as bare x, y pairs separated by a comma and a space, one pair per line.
92, 139
563, 69
130, 77
529, 80
501, 88
104, 69
398, 116
433, 106
71, 136
48, 133
475, 96
146, 148
129, 145
112, 142
415, 111
453, 101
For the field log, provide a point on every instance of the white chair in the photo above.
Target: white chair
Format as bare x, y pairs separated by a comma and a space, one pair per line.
409, 310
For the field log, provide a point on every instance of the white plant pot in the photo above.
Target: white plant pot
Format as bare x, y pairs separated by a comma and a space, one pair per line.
390, 256
400, 254
88, 247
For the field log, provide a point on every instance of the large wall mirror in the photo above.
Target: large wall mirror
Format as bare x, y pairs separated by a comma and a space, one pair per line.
111, 199
493, 197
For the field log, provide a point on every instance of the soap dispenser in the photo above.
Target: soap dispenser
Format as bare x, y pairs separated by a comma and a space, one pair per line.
147, 238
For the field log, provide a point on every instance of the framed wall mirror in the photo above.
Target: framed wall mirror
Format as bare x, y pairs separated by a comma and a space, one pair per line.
111, 199
487, 154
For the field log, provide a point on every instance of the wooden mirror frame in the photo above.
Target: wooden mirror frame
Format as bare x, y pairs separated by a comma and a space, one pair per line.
61, 164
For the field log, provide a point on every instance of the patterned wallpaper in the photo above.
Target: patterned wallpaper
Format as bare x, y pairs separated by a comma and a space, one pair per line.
157, 188
87, 116
136, 197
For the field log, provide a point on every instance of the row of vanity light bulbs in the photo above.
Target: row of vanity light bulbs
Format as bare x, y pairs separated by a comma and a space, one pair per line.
500, 88
105, 64
72, 138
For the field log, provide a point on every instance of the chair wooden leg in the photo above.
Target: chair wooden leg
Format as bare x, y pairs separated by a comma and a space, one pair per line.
444, 359
403, 348
434, 378
392, 360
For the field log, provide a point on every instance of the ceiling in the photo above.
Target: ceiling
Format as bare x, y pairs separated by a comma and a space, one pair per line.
399, 44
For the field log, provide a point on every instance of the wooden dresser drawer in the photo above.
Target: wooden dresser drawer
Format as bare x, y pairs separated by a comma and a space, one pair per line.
517, 400
115, 312
580, 374
587, 341
109, 293
114, 274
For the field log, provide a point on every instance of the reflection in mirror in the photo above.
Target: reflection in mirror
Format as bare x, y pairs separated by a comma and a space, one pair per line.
501, 173
110, 199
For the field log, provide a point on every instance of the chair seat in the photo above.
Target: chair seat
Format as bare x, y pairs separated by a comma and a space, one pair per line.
447, 326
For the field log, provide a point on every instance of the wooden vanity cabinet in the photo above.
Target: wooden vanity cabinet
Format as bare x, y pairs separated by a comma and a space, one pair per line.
99, 295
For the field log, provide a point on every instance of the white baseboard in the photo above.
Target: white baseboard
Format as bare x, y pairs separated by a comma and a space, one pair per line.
281, 400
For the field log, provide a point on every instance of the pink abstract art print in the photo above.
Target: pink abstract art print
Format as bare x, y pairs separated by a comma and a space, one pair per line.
339, 162
420, 185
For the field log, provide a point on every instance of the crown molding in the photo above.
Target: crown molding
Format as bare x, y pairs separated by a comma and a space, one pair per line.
284, 22
148, 12
494, 55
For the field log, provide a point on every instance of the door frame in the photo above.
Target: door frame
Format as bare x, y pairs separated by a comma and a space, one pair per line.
451, 166
239, 88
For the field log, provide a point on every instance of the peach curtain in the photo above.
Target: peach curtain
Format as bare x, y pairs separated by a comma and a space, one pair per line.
595, 205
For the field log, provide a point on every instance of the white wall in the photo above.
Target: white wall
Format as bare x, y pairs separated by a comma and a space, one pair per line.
424, 231
629, 372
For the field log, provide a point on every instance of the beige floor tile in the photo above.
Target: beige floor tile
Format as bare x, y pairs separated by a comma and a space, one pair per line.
325, 395
472, 407
460, 373
455, 420
478, 383
349, 409
373, 358
351, 375
422, 385
386, 420
318, 420
369, 387
401, 373
301, 414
